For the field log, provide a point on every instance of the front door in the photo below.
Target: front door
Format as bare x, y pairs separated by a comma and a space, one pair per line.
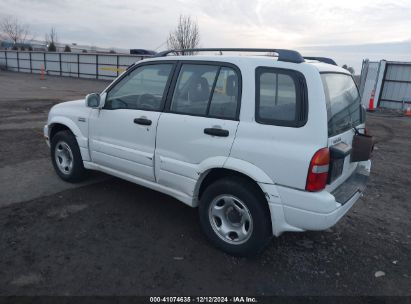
123, 133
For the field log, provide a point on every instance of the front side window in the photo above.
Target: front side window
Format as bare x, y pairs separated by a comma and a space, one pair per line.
279, 97
343, 102
206, 90
141, 89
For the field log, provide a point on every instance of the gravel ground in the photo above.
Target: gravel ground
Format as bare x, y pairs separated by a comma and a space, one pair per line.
110, 237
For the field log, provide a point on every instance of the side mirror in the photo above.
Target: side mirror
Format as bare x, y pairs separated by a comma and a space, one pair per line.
93, 100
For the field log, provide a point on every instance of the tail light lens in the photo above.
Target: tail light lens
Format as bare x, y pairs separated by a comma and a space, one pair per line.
318, 170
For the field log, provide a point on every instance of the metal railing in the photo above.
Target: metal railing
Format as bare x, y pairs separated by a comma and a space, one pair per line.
81, 65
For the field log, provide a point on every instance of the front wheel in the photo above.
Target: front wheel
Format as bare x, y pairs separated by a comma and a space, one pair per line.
66, 157
235, 217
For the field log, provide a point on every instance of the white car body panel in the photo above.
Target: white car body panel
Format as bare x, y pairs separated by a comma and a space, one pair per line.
179, 157
74, 115
282, 150
118, 143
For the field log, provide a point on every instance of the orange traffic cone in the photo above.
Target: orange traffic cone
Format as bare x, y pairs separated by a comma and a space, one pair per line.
42, 73
408, 111
371, 102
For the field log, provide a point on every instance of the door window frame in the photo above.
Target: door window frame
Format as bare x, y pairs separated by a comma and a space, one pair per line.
139, 65
219, 65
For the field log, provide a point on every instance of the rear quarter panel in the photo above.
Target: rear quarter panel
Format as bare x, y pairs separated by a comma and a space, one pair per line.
283, 153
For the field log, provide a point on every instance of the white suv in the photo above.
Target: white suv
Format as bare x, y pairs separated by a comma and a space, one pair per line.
261, 144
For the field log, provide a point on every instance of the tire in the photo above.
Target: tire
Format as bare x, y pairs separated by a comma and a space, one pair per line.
225, 208
66, 157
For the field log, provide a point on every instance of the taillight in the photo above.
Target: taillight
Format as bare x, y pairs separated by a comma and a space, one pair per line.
318, 170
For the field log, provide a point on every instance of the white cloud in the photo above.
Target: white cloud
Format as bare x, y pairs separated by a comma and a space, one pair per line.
238, 23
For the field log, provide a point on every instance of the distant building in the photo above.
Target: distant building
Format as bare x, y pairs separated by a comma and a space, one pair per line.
41, 46
32, 45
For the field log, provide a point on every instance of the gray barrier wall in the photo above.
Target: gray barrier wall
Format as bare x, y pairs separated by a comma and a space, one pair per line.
389, 80
82, 65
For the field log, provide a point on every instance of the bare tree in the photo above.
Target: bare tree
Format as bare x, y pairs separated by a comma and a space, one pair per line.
51, 40
185, 36
14, 30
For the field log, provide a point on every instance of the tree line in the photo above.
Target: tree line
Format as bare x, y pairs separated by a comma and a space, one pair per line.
19, 34
185, 36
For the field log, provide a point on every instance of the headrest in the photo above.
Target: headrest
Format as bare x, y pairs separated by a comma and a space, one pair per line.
199, 90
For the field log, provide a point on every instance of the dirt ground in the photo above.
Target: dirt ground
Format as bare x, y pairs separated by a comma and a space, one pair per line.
111, 237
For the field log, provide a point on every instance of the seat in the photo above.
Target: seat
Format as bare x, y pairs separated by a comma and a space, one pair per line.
199, 90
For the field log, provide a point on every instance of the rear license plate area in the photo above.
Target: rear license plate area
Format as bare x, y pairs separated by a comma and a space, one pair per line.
338, 154
336, 169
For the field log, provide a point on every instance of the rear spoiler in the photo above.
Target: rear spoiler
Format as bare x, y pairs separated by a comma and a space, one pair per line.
322, 59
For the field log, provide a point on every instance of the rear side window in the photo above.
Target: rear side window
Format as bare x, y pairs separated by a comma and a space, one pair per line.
280, 97
206, 90
343, 102
225, 96
193, 89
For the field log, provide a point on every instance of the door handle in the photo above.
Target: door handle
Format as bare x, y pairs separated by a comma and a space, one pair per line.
216, 132
142, 121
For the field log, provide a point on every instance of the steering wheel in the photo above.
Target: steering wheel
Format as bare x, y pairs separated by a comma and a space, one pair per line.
147, 101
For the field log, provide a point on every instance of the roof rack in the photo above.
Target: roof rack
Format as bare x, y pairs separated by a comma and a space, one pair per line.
283, 55
322, 59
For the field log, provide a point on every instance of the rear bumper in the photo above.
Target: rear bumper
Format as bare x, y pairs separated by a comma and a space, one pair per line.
296, 210
355, 183
310, 220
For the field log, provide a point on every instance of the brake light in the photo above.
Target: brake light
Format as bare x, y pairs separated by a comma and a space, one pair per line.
318, 170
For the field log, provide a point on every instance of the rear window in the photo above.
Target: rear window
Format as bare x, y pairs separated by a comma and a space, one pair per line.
343, 102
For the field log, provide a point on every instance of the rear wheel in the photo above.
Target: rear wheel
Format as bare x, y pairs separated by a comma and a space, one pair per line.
235, 216
66, 157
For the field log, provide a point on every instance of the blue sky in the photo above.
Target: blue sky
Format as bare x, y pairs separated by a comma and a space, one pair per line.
345, 30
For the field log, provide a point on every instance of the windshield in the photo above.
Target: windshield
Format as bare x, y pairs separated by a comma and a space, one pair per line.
343, 102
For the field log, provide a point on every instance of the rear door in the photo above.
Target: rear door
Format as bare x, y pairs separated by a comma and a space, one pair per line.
199, 124
344, 112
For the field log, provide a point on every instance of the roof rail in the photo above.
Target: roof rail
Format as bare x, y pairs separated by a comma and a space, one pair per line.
283, 55
322, 59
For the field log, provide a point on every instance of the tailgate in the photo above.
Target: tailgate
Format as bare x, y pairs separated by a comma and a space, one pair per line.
341, 168
344, 112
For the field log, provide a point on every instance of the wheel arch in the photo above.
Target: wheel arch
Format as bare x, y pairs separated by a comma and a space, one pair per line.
57, 127
231, 168
245, 181
60, 123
